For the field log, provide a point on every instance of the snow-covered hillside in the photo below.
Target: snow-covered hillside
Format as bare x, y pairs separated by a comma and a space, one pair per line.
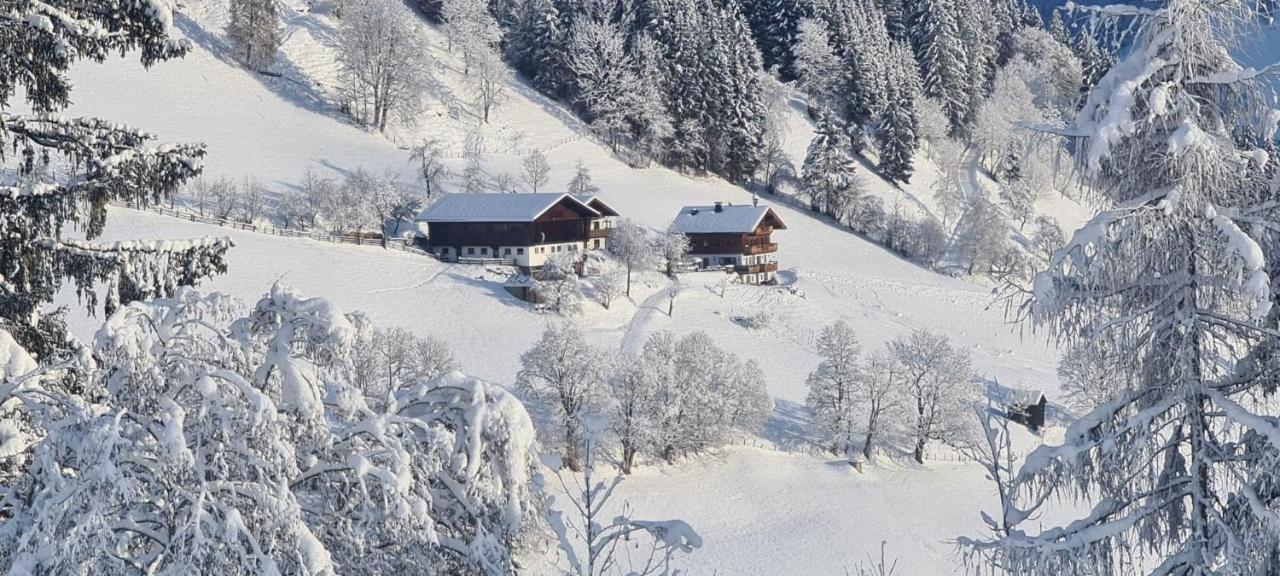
748, 503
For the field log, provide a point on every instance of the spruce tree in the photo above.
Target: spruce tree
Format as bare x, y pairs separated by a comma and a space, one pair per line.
254, 30
943, 58
896, 135
1179, 471
65, 171
828, 177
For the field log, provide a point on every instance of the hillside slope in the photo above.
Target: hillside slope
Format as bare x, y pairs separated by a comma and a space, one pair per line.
274, 128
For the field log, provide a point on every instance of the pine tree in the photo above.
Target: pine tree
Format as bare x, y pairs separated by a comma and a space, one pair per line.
1058, 29
1181, 464
896, 135
255, 31
775, 25
828, 176
537, 43
1096, 60
942, 55
103, 162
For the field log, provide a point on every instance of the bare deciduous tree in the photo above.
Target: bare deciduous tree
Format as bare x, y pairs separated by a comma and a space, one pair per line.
384, 67
431, 167
935, 378
537, 171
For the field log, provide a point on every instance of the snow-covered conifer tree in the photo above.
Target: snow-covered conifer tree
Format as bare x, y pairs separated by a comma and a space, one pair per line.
605, 82
255, 32
819, 71
828, 176
942, 55
896, 135
98, 162
1174, 280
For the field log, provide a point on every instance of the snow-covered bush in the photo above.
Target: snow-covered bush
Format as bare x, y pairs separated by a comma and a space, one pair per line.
240, 442
704, 394
556, 284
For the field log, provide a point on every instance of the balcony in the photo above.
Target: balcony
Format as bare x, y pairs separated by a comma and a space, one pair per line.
756, 268
753, 249
598, 233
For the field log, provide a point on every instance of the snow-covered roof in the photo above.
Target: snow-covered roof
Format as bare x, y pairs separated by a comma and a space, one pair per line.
601, 207
495, 207
729, 219
1022, 397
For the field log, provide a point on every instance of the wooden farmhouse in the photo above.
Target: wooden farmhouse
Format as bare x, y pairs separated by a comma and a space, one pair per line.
737, 239
519, 229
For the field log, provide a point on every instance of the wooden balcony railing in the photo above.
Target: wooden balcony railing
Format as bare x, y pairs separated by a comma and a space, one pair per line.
756, 268
753, 249
598, 233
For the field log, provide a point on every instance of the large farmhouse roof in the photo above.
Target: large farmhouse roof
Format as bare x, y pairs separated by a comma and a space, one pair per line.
724, 219
496, 207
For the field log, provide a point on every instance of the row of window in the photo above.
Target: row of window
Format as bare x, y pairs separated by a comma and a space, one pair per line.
484, 251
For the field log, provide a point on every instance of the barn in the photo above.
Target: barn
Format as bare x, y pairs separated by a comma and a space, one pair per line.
1026, 407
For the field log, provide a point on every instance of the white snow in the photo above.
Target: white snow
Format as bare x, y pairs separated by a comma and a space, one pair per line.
759, 510
494, 207
726, 219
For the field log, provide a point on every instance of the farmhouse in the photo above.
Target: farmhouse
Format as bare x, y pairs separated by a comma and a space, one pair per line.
521, 229
734, 238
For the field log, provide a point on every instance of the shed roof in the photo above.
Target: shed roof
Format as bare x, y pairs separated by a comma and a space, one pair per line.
497, 207
729, 219
1022, 397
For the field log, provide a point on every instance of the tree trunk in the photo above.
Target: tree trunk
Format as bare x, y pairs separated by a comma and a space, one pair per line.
628, 458
866, 447
628, 280
918, 454
573, 445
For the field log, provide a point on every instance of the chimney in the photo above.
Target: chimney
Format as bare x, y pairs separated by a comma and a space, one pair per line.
719, 206
755, 200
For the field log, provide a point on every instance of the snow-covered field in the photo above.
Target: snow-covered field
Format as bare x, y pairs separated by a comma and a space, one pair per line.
767, 508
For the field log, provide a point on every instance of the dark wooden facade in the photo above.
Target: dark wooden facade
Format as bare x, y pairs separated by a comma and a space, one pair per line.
1029, 415
564, 222
750, 244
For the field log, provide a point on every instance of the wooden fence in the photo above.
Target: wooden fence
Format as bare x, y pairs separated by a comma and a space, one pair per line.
365, 240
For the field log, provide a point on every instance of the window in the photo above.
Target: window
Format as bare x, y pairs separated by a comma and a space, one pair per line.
484, 251
471, 251
597, 244
595, 225
519, 251
506, 252
573, 248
